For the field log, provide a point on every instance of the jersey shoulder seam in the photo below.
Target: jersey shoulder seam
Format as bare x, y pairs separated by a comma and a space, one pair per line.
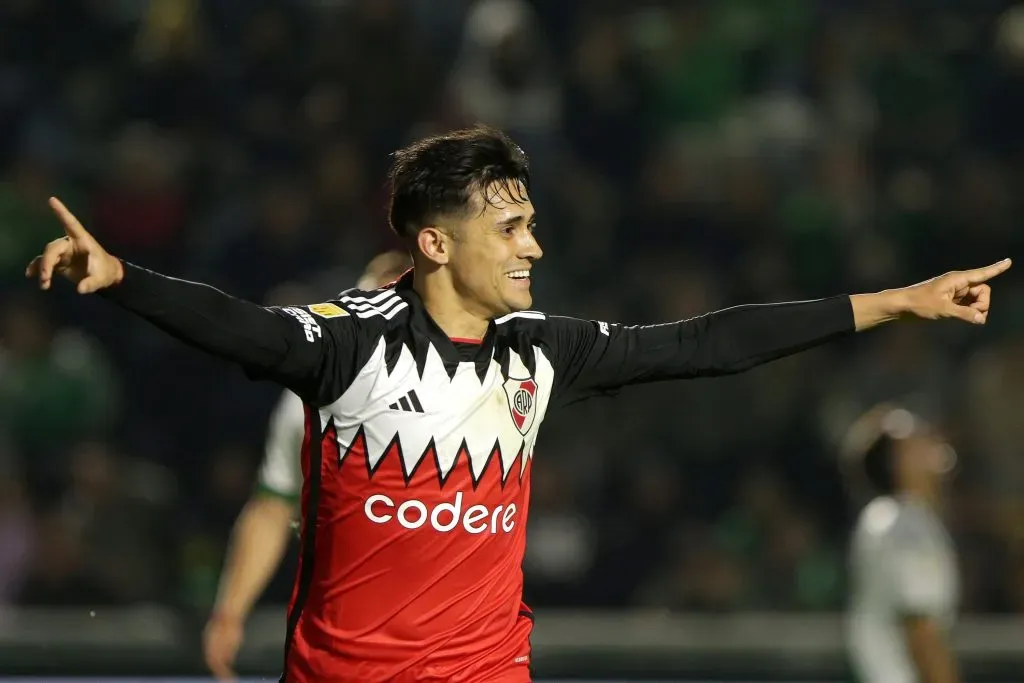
521, 315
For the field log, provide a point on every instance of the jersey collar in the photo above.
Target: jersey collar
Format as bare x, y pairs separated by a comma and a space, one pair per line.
424, 326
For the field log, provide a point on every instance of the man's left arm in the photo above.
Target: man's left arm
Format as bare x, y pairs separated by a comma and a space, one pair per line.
593, 357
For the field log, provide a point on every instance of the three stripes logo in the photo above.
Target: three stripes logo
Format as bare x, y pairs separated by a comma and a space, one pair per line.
385, 303
409, 403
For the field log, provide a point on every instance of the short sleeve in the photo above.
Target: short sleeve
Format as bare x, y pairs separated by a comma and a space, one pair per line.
281, 472
921, 582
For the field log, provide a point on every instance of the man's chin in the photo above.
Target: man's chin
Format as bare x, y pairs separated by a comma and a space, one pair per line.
520, 301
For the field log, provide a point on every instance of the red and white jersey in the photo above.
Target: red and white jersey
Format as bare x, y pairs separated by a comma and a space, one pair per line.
416, 466
415, 503
417, 451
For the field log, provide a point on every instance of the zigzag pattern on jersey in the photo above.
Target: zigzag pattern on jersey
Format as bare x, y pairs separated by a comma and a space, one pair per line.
478, 429
394, 458
399, 341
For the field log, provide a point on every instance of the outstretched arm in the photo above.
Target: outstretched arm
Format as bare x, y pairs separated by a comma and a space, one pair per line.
259, 540
594, 357
963, 294
287, 345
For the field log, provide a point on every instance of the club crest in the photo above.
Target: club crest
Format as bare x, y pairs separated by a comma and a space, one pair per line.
522, 400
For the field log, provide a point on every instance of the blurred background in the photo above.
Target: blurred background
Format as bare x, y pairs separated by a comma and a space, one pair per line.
687, 156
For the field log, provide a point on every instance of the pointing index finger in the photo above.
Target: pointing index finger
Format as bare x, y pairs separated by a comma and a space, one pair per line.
72, 228
979, 275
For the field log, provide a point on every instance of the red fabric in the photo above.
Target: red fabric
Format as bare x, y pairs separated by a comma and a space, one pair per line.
388, 603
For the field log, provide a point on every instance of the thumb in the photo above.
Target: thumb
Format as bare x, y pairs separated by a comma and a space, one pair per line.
965, 313
89, 284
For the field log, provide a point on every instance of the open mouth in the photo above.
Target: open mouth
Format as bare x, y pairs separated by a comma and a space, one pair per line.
519, 275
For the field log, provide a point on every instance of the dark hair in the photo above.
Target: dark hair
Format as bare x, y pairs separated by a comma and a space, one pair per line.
438, 175
879, 468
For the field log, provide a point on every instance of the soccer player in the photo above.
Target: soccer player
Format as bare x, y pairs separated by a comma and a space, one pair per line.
423, 403
902, 562
261, 532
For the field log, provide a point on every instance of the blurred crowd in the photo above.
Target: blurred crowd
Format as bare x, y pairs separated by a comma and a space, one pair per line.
688, 155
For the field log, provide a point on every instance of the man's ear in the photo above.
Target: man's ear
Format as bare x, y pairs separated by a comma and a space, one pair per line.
435, 244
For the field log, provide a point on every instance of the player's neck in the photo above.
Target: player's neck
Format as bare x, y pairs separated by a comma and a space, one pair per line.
449, 312
923, 495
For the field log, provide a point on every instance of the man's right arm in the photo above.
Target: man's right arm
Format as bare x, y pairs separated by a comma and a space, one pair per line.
310, 354
261, 533
258, 542
930, 650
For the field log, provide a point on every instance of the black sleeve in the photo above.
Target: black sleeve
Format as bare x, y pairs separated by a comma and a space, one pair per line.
594, 357
311, 350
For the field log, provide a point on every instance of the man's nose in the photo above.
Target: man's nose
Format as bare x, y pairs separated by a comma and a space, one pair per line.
530, 248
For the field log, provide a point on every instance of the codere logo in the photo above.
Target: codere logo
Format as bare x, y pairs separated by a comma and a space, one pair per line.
444, 517
308, 324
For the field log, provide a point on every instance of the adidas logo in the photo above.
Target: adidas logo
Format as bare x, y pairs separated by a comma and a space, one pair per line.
410, 403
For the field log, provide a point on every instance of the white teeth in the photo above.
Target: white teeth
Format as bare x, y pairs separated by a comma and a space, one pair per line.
518, 274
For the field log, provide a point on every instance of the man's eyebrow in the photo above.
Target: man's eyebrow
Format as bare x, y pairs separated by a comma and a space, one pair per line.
512, 220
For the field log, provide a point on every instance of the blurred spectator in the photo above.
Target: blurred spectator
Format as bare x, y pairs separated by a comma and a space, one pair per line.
687, 156
115, 508
16, 537
276, 239
56, 387
30, 180
702, 576
560, 554
205, 522
994, 400
139, 210
96, 544
59, 575
505, 75
797, 569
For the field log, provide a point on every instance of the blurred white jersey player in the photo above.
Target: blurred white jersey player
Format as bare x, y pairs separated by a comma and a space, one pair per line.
260, 535
903, 570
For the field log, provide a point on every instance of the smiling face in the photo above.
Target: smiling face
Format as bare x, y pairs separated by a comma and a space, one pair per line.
461, 201
494, 251
491, 251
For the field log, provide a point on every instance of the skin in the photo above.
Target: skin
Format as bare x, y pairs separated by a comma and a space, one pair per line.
930, 651
258, 543
921, 468
462, 264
